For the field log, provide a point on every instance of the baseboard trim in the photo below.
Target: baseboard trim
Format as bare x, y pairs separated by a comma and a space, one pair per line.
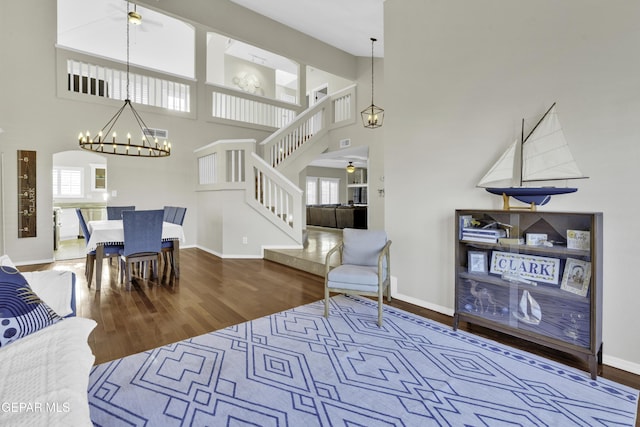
225, 256
625, 365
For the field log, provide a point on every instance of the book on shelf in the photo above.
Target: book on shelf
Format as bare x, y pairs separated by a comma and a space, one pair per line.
465, 222
498, 232
483, 235
477, 238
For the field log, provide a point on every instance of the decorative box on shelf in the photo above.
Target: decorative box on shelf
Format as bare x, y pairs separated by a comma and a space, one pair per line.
535, 275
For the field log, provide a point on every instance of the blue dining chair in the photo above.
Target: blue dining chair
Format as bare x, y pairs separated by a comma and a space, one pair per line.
169, 213
115, 212
142, 241
174, 215
110, 251
180, 214
363, 268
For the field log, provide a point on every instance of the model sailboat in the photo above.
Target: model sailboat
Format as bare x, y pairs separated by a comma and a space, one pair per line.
542, 156
529, 311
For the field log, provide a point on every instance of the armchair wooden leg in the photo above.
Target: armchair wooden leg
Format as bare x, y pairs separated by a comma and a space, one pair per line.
380, 300
326, 302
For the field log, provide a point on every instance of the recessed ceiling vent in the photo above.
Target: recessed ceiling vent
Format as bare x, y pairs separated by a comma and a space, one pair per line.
156, 133
344, 143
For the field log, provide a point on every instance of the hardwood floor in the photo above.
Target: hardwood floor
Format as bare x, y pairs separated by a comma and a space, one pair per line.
213, 293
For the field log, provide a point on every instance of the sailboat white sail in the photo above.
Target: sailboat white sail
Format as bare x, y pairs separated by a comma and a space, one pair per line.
530, 311
543, 155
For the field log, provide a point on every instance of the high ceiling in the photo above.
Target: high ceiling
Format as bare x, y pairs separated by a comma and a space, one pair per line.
345, 24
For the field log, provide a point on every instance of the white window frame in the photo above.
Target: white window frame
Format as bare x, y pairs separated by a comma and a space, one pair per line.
74, 173
319, 199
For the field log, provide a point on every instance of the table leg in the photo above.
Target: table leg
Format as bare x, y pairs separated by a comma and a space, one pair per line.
99, 258
176, 257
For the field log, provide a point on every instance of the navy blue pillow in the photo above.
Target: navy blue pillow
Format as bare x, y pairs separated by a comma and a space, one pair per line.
22, 312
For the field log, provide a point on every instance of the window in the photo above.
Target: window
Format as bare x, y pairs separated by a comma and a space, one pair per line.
312, 191
324, 191
67, 182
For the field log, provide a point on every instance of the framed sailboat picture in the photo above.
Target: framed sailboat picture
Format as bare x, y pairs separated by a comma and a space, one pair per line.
576, 277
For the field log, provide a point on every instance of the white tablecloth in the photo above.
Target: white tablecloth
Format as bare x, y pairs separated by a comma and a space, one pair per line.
112, 231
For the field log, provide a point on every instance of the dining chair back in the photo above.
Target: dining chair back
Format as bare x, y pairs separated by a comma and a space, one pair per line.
115, 212
180, 214
110, 251
174, 215
83, 226
142, 240
169, 213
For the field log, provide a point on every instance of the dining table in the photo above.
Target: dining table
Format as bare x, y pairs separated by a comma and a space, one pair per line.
111, 232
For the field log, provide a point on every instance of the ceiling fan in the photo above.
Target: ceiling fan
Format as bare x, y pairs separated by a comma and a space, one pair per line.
140, 20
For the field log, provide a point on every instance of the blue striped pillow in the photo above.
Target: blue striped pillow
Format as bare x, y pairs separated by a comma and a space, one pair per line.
22, 312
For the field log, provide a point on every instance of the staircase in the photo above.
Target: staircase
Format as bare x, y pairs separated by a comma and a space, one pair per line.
268, 173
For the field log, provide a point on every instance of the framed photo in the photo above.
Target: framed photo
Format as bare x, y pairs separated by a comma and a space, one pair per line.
578, 239
576, 277
477, 262
536, 239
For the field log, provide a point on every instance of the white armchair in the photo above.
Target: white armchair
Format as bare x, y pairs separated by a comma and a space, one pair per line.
364, 267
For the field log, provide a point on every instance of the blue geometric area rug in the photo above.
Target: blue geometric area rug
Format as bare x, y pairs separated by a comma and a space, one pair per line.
298, 369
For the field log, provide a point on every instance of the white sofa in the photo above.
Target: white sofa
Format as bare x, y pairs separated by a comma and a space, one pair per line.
44, 376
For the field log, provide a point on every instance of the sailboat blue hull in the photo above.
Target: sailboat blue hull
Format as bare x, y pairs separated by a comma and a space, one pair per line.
537, 195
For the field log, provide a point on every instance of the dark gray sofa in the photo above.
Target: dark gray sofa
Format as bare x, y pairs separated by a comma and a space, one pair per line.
337, 216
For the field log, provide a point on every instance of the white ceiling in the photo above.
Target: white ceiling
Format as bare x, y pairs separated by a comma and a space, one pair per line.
345, 24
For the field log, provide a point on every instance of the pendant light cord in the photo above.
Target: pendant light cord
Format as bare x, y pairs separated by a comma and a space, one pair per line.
127, 51
372, 42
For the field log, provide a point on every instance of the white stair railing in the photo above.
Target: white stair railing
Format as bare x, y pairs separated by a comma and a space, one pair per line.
285, 141
333, 111
275, 197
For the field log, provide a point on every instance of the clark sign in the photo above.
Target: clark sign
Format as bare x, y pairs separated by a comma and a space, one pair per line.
533, 267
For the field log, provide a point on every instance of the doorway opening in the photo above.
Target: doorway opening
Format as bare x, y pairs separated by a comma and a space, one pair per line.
79, 182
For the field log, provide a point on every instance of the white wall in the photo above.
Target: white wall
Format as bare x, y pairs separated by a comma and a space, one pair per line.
317, 78
258, 79
241, 224
459, 77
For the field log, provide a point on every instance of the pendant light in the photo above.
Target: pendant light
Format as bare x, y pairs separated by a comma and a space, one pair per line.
351, 168
105, 141
372, 116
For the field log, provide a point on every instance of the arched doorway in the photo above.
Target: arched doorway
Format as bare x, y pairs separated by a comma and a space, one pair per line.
79, 181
